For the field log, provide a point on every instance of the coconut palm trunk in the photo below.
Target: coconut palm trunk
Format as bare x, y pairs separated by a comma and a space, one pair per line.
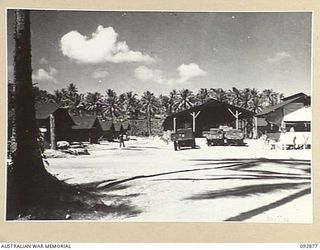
27, 170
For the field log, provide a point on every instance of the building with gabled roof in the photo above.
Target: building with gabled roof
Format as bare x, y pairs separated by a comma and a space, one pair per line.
87, 128
107, 129
211, 114
272, 117
53, 118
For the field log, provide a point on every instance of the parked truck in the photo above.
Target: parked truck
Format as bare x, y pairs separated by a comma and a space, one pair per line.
234, 137
224, 136
214, 137
183, 138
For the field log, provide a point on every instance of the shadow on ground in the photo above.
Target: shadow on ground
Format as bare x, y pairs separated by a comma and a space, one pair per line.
110, 206
251, 213
248, 190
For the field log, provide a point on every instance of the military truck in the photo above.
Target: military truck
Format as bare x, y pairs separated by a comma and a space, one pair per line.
214, 137
223, 136
234, 137
183, 138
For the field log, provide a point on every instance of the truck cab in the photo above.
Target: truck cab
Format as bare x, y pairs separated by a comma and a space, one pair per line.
183, 138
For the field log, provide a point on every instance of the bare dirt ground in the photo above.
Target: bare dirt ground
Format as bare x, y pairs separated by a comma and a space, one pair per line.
149, 181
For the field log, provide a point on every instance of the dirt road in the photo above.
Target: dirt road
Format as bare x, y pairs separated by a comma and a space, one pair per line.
149, 181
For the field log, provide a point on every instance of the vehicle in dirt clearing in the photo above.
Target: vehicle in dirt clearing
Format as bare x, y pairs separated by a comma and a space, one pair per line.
183, 138
224, 137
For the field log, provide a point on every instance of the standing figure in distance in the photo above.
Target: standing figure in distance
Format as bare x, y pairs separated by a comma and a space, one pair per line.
121, 140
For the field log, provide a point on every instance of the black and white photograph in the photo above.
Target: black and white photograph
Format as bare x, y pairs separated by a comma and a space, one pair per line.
159, 116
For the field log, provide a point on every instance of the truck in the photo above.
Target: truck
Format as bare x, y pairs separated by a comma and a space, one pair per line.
234, 137
223, 136
183, 138
214, 137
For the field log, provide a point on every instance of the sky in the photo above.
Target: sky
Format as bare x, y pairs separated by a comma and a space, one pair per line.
161, 51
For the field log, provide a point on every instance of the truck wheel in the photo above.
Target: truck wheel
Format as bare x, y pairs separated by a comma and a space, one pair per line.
175, 146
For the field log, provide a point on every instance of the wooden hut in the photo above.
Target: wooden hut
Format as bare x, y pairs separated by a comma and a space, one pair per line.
86, 129
54, 122
107, 129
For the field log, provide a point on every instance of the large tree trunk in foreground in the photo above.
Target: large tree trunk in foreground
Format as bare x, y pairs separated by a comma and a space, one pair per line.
27, 170
31, 191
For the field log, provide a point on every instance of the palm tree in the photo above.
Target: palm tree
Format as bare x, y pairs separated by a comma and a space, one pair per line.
132, 105
185, 99
72, 98
203, 96
256, 104
165, 107
61, 96
246, 98
149, 106
271, 97
111, 104
93, 103
27, 177
173, 101
42, 96
236, 97
218, 94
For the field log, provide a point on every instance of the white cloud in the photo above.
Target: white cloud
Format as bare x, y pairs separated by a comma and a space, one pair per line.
100, 73
43, 61
52, 71
279, 56
189, 71
101, 47
186, 72
44, 75
145, 74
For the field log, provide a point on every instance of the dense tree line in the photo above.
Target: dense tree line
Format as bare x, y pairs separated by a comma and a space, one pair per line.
129, 105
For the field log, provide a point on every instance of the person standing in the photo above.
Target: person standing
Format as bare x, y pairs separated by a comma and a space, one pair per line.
121, 140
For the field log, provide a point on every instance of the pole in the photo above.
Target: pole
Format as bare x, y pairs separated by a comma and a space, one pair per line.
193, 122
174, 124
256, 127
52, 132
194, 116
237, 120
236, 115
